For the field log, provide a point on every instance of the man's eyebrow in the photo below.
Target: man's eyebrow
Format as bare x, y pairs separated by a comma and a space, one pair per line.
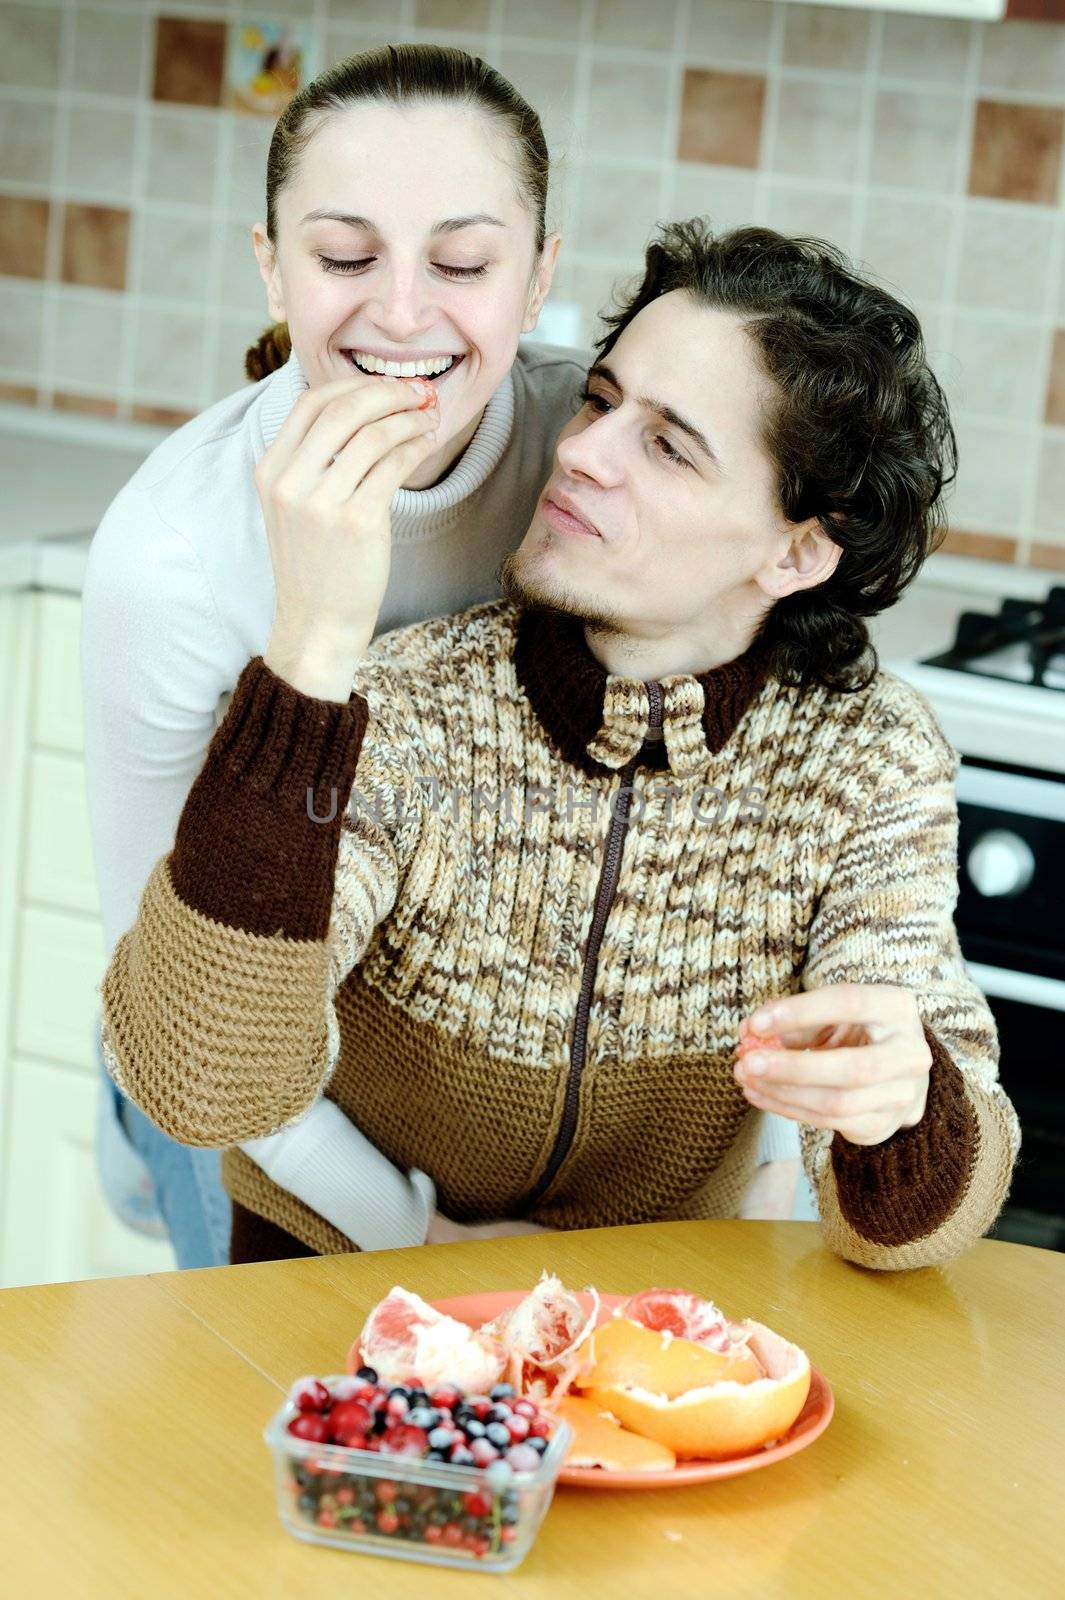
666, 412
448, 225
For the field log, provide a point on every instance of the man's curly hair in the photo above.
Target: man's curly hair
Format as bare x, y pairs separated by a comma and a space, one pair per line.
859, 430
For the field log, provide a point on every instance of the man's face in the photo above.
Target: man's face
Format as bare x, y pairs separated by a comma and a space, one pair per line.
689, 532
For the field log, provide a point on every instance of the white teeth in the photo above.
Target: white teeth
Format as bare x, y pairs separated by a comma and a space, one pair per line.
401, 369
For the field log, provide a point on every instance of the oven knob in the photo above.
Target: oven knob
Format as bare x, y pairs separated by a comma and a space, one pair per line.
1000, 863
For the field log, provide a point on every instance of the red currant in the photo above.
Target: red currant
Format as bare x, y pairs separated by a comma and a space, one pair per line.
387, 1521
483, 1451
477, 1504
385, 1490
452, 1533
432, 1533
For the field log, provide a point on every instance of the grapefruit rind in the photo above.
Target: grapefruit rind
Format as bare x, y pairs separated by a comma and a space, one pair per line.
635, 1356
599, 1441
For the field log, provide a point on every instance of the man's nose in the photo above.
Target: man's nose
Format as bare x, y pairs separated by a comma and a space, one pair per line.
594, 452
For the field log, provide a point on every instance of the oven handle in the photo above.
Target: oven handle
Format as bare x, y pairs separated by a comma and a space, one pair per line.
1029, 988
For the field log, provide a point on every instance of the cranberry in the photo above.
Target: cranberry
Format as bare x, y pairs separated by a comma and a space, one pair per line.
518, 1428
326, 1519
452, 1533
482, 1452
446, 1397
432, 1534
478, 1504
481, 1546
405, 1441
524, 1408
345, 1497
350, 1422
539, 1428
522, 1459
385, 1490
309, 1394
310, 1425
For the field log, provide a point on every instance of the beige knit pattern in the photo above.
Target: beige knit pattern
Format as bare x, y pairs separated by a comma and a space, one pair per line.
441, 1013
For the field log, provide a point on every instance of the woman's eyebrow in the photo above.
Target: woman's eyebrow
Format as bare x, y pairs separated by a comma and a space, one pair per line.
666, 412
449, 224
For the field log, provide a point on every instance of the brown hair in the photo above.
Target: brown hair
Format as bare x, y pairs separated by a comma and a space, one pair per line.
398, 74
859, 429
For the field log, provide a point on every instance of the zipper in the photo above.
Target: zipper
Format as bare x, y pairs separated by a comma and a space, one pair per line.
604, 899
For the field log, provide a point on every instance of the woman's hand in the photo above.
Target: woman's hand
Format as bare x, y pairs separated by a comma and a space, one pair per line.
326, 486
856, 1060
443, 1231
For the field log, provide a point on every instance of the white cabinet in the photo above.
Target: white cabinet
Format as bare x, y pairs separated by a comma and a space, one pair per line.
54, 1220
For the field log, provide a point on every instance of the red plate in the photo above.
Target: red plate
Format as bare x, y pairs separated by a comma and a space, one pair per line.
812, 1420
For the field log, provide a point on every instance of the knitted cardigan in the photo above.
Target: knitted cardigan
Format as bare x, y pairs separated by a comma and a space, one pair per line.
510, 927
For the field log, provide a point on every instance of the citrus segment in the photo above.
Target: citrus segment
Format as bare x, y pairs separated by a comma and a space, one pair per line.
599, 1441
404, 1338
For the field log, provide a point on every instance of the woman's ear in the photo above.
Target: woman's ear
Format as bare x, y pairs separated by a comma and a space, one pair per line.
540, 287
269, 271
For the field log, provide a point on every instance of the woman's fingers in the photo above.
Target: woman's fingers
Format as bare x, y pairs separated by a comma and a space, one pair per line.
373, 446
323, 420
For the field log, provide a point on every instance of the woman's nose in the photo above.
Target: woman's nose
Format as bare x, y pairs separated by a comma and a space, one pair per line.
402, 308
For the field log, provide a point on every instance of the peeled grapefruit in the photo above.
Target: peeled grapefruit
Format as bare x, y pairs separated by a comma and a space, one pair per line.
599, 1441
718, 1419
546, 1337
404, 1338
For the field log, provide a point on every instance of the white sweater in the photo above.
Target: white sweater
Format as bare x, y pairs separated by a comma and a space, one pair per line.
179, 596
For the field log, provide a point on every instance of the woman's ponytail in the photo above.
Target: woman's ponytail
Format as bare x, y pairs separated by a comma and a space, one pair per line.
270, 351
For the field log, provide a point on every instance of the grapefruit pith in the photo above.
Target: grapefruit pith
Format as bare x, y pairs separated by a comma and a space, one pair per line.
718, 1419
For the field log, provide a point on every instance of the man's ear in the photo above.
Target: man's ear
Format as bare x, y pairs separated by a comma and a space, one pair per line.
542, 279
809, 559
269, 271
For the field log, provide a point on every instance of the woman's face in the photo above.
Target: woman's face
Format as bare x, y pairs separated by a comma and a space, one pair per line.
400, 279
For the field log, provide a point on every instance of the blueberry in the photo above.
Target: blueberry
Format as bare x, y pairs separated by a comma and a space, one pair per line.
380, 1422
308, 1502
400, 1389
367, 1374
499, 1414
501, 1391
474, 1429
422, 1417
498, 1435
418, 1397
461, 1457
440, 1438
539, 1445
440, 1455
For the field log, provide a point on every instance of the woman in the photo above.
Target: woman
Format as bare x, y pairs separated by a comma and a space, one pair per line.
450, 265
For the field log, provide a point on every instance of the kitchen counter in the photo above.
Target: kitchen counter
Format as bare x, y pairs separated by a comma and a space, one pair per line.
138, 1406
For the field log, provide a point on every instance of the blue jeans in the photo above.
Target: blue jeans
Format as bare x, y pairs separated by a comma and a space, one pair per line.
158, 1186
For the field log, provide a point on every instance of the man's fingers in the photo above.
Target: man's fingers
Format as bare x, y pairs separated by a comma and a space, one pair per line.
823, 1107
858, 1065
838, 1003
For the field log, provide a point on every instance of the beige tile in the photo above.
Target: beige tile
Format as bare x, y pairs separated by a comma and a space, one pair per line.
907, 242
23, 236
100, 153
1005, 256
818, 36
541, 19
628, 110
366, 13
171, 255
95, 245
30, 55
88, 341
727, 198
817, 133
246, 171
732, 31
1025, 55
917, 140
183, 150
342, 43
994, 472
619, 211
985, 546
806, 209
241, 286
547, 80
108, 48
467, 16
932, 48
593, 289
168, 349
1054, 408
189, 61
634, 24
721, 118
998, 362
21, 312
27, 140
235, 334
1050, 492
1016, 152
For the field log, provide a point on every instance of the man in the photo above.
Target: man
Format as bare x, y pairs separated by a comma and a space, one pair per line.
590, 836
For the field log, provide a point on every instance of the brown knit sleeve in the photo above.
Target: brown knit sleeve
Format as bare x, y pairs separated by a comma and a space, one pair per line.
218, 1014
886, 917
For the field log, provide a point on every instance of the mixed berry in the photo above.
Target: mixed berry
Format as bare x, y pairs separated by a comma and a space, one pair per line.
500, 1433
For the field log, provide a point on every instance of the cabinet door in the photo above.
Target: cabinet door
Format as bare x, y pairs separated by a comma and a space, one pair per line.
57, 709
59, 867
57, 1224
60, 966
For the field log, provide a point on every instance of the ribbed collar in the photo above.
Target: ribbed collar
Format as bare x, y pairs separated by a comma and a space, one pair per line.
599, 721
416, 513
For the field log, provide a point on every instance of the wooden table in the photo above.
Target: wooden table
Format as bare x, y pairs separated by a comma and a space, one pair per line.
132, 1461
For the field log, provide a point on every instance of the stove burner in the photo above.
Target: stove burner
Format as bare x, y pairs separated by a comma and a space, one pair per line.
1024, 643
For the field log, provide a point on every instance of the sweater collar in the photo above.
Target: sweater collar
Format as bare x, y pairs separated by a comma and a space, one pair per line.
599, 721
416, 513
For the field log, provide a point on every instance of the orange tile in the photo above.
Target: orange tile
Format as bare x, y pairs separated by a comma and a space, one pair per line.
189, 61
1016, 152
1050, 556
162, 415
93, 405
18, 394
721, 118
1055, 408
23, 236
95, 245
988, 546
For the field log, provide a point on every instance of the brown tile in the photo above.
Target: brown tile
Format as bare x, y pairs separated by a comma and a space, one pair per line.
1055, 407
1016, 152
1036, 10
93, 405
18, 394
721, 118
162, 415
23, 236
189, 61
95, 245
988, 546
1050, 556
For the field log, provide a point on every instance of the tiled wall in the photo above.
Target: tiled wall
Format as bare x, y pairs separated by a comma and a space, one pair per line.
930, 149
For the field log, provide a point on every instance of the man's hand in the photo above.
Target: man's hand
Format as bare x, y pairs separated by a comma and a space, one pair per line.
443, 1231
856, 1060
